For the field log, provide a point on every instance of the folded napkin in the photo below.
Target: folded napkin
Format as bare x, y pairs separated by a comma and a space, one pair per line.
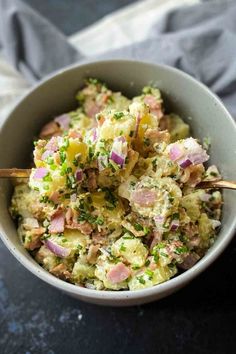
199, 39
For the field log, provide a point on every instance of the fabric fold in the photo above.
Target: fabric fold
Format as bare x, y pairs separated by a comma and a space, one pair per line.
198, 39
32, 44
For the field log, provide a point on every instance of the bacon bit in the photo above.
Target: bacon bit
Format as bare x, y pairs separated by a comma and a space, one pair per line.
194, 242
35, 239
69, 216
61, 272
144, 197
157, 136
92, 253
92, 180
90, 90
74, 134
196, 173
152, 266
91, 108
85, 228
98, 237
33, 244
185, 175
39, 231
54, 197
155, 106
57, 222
171, 248
105, 97
189, 261
191, 230
118, 273
164, 123
49, 130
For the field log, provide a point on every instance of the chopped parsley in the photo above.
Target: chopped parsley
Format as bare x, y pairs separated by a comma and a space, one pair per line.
135, 267
122, 248
141, 280
150, 273
146, 141
62, 155
99, 220
44, 199
147, 90
213, 174
47, 178
118, 115
206, 143
138, 227
75, 162
110, 198
181, 250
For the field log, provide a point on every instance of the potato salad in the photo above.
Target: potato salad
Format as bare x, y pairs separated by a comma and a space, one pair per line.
112, 202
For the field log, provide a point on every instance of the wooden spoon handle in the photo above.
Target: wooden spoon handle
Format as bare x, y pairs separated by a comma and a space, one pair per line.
217, 184
14, 172
25, 173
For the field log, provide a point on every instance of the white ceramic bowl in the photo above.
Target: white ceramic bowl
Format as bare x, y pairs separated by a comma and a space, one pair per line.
55, 95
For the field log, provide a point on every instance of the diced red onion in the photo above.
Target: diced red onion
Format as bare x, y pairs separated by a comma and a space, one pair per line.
46, 154
63, 121
174, 225
187, 152
79, 175
185, 163
120, 138
94, 134
175, 152
40, 173
195, 153
52, 144
119, 150
120, 160
159, 220
56, 249
189, 261
197, 158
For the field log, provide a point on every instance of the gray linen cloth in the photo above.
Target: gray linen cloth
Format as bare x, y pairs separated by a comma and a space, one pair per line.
199, 39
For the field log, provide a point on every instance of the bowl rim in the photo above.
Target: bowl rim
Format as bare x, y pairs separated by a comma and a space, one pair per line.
169, 285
